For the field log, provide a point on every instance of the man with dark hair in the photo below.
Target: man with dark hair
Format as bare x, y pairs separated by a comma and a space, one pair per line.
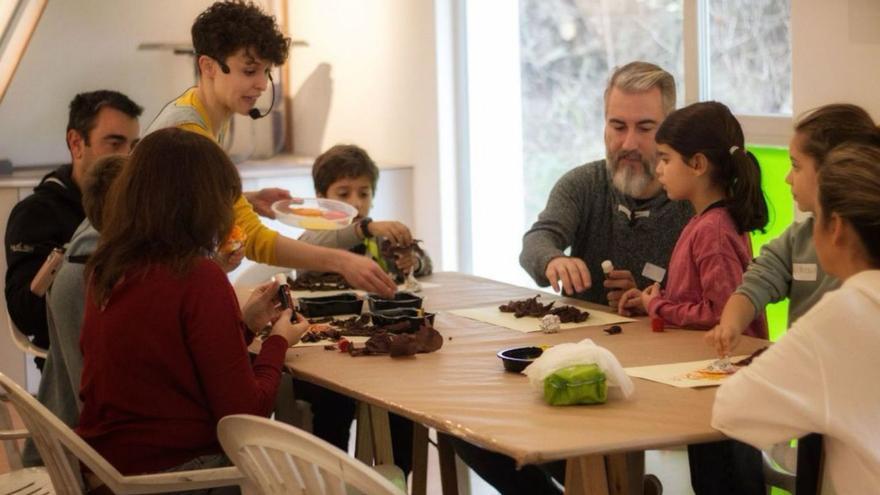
100, 123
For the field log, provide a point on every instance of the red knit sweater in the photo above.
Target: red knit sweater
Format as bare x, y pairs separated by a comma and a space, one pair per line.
163, 362
706, 266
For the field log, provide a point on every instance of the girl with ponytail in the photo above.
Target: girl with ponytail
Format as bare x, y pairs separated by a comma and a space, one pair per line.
788, 266
702, 159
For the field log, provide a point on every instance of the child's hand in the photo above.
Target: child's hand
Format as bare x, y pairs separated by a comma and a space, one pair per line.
405, 262
260, 309
292, 331
631, 303
396, 232
649, 294
724, 338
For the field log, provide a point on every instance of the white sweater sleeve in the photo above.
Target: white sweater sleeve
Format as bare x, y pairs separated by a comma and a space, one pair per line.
780, 396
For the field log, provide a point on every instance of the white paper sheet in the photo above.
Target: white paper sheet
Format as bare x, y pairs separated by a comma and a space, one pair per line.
680, 375
353, 340
527, 324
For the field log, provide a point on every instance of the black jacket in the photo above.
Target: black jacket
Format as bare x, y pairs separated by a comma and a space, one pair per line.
44, 220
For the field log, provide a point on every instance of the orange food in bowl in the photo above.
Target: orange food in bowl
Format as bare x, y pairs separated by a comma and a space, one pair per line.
307, 212
235, 240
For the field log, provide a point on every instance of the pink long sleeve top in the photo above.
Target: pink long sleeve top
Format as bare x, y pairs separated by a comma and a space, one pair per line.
706, 266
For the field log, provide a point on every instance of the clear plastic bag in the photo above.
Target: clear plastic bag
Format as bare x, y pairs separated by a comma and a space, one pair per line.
584, 352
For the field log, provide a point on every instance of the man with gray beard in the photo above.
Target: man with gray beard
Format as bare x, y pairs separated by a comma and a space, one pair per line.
612, 209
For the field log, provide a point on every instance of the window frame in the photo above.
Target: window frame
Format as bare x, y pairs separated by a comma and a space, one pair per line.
768, 130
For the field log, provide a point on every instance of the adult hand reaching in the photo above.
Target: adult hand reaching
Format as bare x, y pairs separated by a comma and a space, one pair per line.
569, 274
363, 273
262, 200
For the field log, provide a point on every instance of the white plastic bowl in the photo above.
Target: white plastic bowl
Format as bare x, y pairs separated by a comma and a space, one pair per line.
314, 213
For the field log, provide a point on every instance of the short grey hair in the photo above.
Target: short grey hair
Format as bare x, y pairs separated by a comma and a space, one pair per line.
642, 76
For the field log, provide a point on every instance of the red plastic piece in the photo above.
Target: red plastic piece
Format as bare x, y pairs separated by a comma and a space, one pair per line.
657, 324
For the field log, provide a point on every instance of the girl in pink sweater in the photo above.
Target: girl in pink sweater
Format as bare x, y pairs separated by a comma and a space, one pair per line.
702, 159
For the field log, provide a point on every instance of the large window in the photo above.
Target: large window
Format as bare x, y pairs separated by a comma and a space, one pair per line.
567, 50
535, 77
748, 55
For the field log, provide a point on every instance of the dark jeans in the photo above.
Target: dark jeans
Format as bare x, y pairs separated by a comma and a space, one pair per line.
718, 468
207, 462
500, 471
332, 414
726, 467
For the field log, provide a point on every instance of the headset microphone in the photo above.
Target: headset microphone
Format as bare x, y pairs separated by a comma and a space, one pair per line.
255, 113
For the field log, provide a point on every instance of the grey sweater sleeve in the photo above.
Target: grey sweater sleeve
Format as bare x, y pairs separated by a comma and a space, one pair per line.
768, 277
344, 238
557, 225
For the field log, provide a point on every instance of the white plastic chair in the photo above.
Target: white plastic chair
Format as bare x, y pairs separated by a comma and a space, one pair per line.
19, 480
22, 341
280, 459
62, 450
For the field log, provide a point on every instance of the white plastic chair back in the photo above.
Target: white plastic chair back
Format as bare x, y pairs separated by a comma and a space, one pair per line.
22, 341
62, 450
19, 480
280, 459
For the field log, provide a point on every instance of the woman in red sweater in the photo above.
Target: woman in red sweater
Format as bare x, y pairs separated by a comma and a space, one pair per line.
163, 340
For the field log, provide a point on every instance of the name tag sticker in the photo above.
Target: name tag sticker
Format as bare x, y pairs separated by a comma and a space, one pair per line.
804, 272
653, 272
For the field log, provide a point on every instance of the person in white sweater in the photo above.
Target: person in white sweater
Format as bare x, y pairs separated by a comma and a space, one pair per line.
819, 376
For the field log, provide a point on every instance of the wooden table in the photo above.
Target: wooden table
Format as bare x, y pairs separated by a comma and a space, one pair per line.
462, 390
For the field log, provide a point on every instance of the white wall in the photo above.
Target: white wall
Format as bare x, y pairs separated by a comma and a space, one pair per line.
369, 78
87, 45
835, 53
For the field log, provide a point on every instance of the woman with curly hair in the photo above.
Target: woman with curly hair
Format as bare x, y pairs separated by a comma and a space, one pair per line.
236, 46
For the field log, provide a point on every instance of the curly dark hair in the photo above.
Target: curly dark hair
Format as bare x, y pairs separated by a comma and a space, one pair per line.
228, 26
343, 161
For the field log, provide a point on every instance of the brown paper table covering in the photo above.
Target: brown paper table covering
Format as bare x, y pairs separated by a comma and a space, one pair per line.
463, 390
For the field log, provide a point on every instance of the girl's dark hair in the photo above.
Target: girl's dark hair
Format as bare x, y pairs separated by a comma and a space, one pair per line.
97, 182
228, 26
709, 128
171, 204
849, 185
343, 161
830, 125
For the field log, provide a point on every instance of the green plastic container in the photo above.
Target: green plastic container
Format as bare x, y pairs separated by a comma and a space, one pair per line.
580, 384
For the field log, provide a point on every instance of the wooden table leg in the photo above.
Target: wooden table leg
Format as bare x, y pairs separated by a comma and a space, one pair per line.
586, 476
448, 477
363, 449
373, 445
420, 459
383, 452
